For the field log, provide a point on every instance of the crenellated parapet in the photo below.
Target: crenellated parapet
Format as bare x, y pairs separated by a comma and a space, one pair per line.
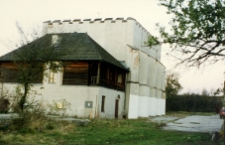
92, 21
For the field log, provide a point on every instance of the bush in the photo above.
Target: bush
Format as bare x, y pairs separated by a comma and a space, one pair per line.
33, 117
4, 105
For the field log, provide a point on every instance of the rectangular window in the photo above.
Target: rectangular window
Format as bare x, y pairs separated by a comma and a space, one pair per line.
51, 77
13, 73
103, 104
76, 74
9, 75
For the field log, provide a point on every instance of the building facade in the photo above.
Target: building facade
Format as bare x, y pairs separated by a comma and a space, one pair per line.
125, 40
143, 93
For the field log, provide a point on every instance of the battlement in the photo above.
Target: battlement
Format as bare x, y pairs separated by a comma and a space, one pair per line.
53, 23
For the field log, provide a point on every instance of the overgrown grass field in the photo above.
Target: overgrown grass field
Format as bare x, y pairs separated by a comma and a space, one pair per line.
101, 132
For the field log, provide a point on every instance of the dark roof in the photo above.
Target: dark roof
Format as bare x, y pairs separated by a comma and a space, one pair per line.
76, 46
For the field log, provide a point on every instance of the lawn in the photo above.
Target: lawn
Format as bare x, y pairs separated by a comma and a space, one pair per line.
102, 131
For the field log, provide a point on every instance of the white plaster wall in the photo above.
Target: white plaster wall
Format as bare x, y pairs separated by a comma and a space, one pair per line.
77, 95
152, 75
144, 101
162, 89
110, 101
143, 69
163, 103
133, 60
137, 37
114, 43
133, 106
157, 79
152, 72
158, 106
133, 101
163, 83
127, 97
152, 111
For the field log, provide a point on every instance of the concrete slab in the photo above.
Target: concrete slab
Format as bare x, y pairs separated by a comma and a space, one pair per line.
163, 119
80, 122
194, 123
8, 116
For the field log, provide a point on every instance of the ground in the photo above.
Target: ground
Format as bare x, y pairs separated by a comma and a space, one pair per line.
146, 131
193, 123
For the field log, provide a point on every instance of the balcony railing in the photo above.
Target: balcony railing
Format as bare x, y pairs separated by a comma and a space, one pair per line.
94, 80
105, 83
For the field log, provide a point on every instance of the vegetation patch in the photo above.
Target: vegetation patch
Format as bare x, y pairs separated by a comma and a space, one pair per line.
103, 131
195, 123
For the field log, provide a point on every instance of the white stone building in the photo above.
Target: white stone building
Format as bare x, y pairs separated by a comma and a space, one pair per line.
125, 40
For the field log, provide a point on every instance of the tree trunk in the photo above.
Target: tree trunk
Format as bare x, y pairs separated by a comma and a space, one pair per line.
24, 97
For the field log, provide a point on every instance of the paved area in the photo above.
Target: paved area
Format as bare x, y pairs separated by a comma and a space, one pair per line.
7, 118
194, 123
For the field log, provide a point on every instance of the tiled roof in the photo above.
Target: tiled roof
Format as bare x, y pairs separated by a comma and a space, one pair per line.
76, 46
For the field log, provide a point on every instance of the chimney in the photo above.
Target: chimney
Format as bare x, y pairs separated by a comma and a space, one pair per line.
56, 40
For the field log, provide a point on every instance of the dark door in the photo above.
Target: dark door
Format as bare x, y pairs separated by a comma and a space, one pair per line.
116, 108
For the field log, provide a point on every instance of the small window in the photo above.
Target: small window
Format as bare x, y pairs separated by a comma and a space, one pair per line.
103, 104
119, 80
51, 77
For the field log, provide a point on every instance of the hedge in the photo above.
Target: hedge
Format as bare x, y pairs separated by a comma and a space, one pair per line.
194, 103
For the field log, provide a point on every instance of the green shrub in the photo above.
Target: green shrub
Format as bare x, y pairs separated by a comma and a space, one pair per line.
4, 105
194, 103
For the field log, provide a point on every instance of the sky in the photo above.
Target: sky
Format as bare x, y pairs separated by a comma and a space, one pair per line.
30, 14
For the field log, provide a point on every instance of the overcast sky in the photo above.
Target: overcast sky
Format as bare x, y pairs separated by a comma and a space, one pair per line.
31, 13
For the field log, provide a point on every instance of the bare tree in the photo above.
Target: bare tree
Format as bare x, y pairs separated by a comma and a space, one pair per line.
31, 59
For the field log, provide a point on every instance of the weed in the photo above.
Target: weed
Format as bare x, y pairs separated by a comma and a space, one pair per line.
59, 107
160, 124
63, 127
50, 126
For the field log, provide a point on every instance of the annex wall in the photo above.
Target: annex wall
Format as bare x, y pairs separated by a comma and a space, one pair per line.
85, 101
110, 102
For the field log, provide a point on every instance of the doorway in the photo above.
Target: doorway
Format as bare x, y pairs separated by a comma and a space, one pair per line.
116, 108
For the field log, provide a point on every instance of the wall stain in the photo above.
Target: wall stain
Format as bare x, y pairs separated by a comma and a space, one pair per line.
136, 62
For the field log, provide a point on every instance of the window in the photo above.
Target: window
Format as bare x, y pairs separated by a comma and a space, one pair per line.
119, 80
76, 74
9, 75
51, 77
103, 104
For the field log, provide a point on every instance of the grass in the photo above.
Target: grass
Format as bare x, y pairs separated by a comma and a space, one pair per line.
102, 131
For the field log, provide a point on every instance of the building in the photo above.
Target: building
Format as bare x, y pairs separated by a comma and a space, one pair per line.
124, 78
